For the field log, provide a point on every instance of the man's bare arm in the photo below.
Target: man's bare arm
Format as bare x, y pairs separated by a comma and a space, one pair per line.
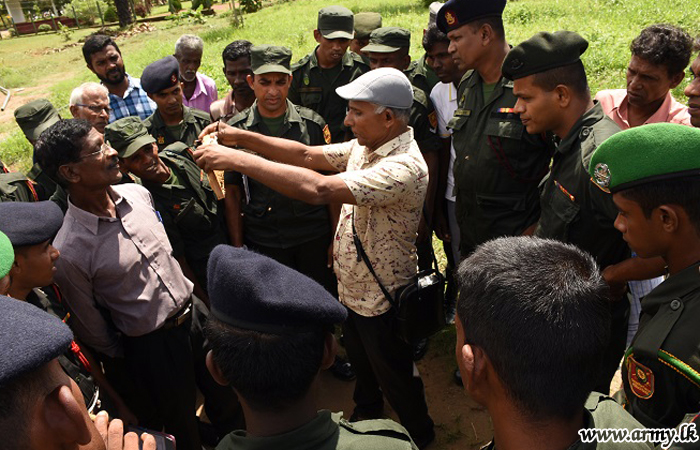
295, 182
277, 149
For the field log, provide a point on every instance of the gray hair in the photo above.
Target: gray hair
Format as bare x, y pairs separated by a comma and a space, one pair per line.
402, 114
78, 94
189, 42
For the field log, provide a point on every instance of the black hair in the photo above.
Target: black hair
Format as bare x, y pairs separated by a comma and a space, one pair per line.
16, 399
237, 49
571, 75
538, 309
96, 43
684, 192
664, 45
269, 371
432, 36
495, 22
61, 144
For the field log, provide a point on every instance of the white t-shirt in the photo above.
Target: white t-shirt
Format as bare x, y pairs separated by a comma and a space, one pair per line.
444, 98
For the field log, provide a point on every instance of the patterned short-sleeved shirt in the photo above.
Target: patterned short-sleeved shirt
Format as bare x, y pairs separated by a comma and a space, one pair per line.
389, 186
135, 102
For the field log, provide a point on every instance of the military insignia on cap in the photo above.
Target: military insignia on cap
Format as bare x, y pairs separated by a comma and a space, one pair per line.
516, 64
161, 139
450, 18
641, 379
602, 176
173, 78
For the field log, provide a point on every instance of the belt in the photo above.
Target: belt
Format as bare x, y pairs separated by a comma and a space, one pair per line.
179, 317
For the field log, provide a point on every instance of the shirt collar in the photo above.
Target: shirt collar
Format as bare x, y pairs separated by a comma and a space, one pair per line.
291, 115
581, 128
401, 140
676, 286
200, 88
89, 220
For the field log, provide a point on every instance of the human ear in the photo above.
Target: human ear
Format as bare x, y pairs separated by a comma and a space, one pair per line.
214, 370
676, 79
669, 218
563, 95
330, 349
64, 417
68, 173
249, 80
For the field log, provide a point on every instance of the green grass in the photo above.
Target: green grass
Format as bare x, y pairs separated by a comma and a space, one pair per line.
609, 25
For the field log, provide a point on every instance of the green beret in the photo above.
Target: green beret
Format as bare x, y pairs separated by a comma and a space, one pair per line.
388, 40
36, 116
270, 58
645, 154
7, 255
542, 52
336, 22
127, 135
365, 23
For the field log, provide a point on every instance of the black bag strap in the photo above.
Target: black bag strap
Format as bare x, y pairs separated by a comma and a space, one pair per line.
362, 255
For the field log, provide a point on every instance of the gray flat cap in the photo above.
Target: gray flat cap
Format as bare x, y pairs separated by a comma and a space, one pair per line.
385, 86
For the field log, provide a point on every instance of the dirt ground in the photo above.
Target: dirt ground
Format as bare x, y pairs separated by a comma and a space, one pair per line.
459, 422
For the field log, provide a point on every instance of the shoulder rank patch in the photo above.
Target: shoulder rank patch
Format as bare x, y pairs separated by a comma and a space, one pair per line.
640, 378
326, 134
463, 112
161, 140
432, 117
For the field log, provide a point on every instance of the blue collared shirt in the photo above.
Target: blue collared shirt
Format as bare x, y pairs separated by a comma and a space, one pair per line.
135, 102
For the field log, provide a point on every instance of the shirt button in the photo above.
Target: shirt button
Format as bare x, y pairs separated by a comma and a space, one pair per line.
466, 158
585, 132
675, 304
269, 208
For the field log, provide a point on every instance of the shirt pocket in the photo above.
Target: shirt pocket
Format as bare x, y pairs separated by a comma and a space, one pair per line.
193, 217
563, 211
310, 99
504, 137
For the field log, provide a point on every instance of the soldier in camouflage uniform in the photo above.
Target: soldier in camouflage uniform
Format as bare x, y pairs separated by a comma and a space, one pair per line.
172, 121
330, 65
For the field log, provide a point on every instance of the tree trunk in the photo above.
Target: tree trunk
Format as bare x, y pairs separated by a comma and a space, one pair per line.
124, 13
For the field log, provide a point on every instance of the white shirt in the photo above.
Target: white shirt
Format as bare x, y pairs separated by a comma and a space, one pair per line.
444, 98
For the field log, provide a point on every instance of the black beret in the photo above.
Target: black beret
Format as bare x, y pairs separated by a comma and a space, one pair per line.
28, 223
253, 292
456, 13
542, 52
29, 338
159, 75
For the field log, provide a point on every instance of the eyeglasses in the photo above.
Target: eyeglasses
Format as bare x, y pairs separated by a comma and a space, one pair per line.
96, 108
103, 148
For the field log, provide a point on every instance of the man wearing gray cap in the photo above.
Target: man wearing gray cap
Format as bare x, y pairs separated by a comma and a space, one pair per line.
318, 74
381, 178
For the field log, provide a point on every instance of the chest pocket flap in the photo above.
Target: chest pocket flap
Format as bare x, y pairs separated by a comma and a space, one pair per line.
510, 129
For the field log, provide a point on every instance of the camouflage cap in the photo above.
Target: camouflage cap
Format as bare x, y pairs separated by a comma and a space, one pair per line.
336, 22
270, 58
365, 23
640, 155
388, 40
36, 116
542, 52
159, 75
127, 135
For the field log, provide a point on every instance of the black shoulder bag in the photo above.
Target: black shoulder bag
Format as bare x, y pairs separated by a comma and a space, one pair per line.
419, 305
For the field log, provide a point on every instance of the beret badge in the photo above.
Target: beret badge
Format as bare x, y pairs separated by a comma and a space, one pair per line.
450, 18
173, 78
516, 64
602, 176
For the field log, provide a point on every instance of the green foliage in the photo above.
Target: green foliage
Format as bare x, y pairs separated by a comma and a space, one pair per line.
187, 16
65, 31
87, 11
44, 28
250, 6
16, 151
110, 14
174, 6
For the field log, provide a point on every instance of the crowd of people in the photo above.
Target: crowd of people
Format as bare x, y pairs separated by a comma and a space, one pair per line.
167, 242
